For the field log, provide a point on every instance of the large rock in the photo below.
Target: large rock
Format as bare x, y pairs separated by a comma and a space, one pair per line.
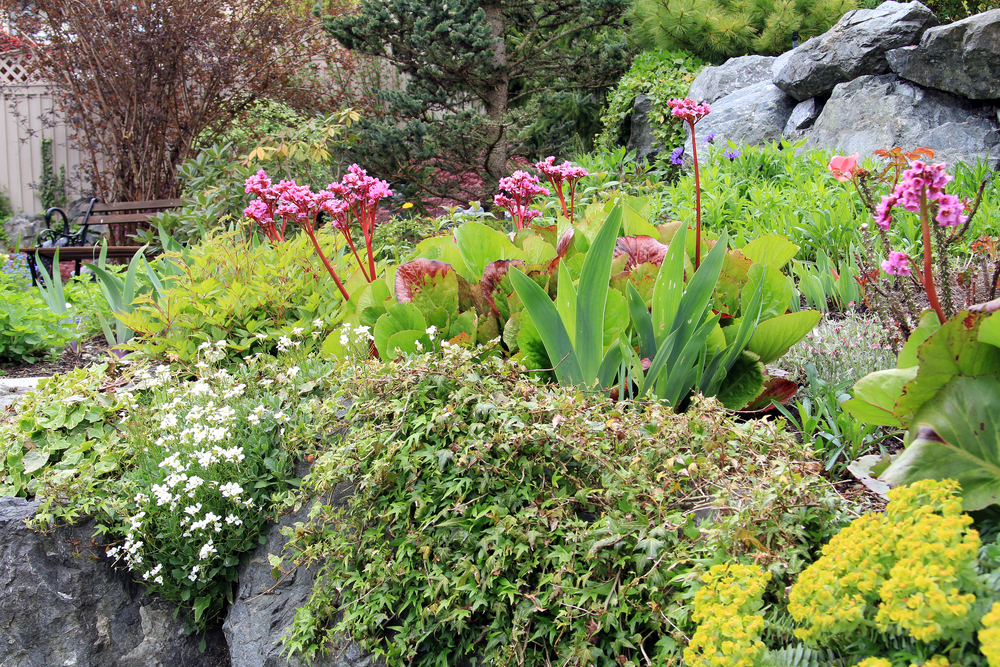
24, 226
754, 115
714, 83
803, 117
961, 58
263, 610
642, 140
856, 46
63, 605
874, 112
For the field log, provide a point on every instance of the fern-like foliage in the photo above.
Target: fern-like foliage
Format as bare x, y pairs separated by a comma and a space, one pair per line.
801, 655
719, 29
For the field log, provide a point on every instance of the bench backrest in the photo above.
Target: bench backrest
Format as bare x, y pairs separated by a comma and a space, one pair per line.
123, 218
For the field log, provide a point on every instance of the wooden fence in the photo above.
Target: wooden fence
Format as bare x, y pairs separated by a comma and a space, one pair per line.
26, 118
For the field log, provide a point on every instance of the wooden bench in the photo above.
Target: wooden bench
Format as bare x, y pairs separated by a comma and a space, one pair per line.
119, 221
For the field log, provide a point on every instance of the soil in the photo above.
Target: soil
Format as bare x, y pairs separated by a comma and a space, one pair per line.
88, 352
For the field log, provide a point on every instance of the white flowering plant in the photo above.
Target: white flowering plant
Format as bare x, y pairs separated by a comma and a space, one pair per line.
210, 467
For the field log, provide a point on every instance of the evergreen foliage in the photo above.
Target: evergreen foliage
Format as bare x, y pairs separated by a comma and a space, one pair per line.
720, 29
471, 68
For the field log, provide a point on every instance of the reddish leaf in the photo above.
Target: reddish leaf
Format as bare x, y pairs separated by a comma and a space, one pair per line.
411, 276
775, 389
640, 250
493, 275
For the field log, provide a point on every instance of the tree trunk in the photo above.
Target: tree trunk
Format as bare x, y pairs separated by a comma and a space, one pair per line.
495, 99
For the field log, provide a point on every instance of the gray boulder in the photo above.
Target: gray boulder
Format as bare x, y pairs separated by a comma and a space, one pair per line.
961, 58
714, 83
64, 605
803, 117
24, 226
856, 46
874, 112
642, 140
264, 608
754, 115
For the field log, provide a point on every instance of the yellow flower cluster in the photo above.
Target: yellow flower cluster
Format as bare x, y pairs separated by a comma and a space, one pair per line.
913, 560
989, 636
874, 662
936, 661
728, 633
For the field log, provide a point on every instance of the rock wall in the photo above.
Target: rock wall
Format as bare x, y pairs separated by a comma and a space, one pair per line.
63, 605
884, 77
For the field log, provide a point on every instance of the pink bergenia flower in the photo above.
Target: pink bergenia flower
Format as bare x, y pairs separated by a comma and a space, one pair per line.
843, 168
688, 109
922, 181
520, 189
362, 194
559, 174
257, 184
898, 264
950, 210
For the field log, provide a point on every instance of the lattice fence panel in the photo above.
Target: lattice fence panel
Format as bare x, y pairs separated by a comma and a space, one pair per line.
11, 71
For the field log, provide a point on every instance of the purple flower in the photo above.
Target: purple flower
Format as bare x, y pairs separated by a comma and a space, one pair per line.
677, 155
710, 138
731, 153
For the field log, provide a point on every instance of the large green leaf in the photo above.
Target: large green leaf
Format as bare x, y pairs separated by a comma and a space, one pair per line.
773, 249
428, 284
669, 286
989, 330
875, 396
777, 290
479, 245
773, 337
398, 317
929, 324
546, 320
956, 435
743, 383
953, 350
592, 297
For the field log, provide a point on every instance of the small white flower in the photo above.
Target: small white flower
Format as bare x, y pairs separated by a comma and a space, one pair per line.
262, 336
293, 371
231, 490
318, 323
194, 572
298, 331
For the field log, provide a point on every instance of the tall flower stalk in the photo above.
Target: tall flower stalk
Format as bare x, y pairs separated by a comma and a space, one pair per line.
559, 174
691, 112
299, 205
921, 190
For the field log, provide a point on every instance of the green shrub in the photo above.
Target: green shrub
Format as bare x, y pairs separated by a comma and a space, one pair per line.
719, 29
956, 10
28, 329
230, 288
520, 523
663, 75
64, 441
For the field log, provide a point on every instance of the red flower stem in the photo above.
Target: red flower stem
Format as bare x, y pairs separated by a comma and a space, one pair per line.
928, 276
697, 199
572, 200
326, 262
368, 243
361, 264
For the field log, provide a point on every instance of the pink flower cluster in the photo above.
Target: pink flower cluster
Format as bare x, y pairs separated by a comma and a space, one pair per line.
922, 181
356, 194
898, 264
689, 110
559, 174
519, 189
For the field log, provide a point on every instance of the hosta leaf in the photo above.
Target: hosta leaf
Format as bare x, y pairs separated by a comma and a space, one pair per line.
772, 249
773, 337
